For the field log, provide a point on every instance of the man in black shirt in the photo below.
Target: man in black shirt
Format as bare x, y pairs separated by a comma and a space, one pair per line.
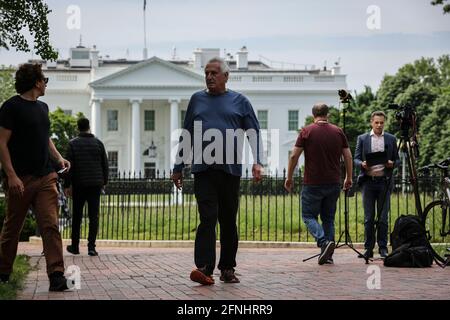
26, 152
89, 174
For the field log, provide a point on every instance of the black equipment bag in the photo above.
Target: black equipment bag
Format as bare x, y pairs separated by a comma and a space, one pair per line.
407, 256
408, 229
410, 245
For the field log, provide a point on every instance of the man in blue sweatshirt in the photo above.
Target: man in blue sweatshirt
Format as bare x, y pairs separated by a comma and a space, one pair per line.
217, 179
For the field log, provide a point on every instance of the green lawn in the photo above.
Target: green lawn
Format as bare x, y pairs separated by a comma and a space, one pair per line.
8, 291
267, 218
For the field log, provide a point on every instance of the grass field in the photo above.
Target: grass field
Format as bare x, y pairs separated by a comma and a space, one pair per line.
260, 217
8, 291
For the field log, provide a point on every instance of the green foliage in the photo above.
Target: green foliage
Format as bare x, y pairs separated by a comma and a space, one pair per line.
433, 137
8, 291
441, 142
7, 89
29, 227
446, 6
63, 127
423, 84
420, 96
30, 15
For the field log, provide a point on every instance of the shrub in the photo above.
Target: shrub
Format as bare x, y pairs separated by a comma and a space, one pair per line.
29, 227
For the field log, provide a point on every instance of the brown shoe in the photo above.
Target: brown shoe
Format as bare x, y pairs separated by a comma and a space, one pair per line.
197, 275
228, 276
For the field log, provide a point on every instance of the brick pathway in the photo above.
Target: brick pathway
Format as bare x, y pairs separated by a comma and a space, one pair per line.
163, 273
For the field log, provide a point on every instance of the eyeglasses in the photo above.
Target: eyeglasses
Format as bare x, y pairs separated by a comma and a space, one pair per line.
45, 80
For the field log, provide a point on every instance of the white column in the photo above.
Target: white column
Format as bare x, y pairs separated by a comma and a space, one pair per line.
96, 122
135, 135
174, 124
173, 140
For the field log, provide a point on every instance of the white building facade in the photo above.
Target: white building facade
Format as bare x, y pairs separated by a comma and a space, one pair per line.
134, 106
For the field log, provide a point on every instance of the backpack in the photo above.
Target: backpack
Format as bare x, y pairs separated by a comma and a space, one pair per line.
408, 229
408, 256
410, 245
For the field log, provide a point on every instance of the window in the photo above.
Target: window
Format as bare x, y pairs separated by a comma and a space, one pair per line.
262, 118
183, 115
262, 79
324, 79
293, 79
66, 77
149, 120
68, 112
80, 55
113, 120
150, 169
293, 120
113, 163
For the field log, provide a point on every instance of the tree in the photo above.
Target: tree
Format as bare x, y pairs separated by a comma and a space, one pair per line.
7, 89
445, 8
435, 133
425, 85
15, 15
442, 146
63, 127
416, 84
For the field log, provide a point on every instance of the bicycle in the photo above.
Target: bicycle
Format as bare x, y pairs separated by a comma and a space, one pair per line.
442, 205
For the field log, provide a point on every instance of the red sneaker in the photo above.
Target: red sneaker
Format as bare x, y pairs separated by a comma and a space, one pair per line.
197, 275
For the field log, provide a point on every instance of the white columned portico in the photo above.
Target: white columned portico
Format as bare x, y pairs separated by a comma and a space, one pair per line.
96, 121
135, 135
174, 124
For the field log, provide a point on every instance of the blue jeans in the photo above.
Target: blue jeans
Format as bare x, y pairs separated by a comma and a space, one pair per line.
373, 193
320, 199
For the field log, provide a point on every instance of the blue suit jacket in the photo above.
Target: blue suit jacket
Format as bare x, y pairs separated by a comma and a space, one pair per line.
364, 146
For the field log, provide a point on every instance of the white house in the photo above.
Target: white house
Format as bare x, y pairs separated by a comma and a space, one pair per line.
134, 106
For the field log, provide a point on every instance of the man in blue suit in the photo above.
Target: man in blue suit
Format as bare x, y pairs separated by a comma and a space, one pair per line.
374, 180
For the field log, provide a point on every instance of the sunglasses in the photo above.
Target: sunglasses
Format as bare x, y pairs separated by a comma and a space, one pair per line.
45, 80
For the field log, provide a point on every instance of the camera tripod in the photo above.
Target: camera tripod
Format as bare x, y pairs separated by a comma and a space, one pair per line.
347, 239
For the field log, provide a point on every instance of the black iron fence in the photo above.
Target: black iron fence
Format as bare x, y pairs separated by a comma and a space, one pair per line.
137, 208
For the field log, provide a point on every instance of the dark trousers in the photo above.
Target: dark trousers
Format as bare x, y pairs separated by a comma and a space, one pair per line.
42, 194
217, 194
80, 196
373, 193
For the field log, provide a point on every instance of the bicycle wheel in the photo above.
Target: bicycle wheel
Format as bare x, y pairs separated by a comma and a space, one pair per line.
434, 215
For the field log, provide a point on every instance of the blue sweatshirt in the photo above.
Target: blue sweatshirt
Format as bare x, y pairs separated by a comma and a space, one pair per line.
230, 110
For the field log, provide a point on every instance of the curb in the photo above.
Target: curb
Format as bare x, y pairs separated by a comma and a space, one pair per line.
190, 244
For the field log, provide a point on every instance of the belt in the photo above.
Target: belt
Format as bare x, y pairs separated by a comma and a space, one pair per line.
372, 178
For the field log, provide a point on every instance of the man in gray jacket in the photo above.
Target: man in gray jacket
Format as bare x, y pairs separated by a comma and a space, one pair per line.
85, 182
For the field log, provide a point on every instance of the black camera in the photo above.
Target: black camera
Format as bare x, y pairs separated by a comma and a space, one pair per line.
406, 116
344, 96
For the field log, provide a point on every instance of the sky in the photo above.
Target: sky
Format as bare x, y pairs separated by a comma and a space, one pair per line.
370, 38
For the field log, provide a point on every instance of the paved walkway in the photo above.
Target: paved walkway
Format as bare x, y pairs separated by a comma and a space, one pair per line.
163, 273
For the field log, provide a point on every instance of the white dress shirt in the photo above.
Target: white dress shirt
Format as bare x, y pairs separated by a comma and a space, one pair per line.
377, 145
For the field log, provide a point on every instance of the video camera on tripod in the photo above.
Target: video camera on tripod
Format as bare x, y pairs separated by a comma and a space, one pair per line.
406, 116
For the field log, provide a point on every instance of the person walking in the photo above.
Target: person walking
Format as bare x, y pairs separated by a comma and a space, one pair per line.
85, 182
26, 155
324, 144
217, 182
